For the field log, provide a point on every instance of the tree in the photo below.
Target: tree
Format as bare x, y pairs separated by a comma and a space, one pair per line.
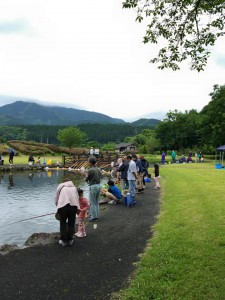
70, 137
187, 28
213, 118
179, 130
145, 141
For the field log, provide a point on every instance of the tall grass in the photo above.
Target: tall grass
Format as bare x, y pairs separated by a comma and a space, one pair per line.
185, 258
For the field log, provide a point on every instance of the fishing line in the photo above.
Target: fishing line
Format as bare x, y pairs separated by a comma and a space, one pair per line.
27, 219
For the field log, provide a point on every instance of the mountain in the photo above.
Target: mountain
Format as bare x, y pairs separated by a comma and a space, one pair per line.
146, 122
29, 113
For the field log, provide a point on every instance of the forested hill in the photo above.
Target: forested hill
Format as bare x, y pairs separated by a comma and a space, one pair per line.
146, 122
28, 113
101, 133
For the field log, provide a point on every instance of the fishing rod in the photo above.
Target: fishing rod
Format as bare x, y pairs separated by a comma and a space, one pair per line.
27, 219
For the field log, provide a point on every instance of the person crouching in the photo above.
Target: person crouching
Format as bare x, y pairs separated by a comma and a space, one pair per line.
113, 193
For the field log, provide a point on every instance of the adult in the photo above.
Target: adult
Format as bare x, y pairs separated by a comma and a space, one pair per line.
183, 159
173, 155
189, 159
31, 160
91, 152
131, 176
117, 166
163, 157
67, 202
1, 160
96, 152
122, 170
145, 165
199, 156
93, 178
140, 174
196, 157
11, 156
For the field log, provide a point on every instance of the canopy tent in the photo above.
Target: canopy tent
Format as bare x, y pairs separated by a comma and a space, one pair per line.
221, 150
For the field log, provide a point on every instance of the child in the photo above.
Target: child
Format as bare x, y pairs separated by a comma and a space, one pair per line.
113, 193
156, 171
84, 205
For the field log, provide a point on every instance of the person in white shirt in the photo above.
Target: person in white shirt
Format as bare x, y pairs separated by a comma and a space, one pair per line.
91, 152
131, 176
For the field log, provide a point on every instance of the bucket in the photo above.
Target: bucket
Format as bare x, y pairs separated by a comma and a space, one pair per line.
218, 166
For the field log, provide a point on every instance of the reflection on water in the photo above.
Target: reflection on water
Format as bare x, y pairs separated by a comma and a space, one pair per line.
25, 195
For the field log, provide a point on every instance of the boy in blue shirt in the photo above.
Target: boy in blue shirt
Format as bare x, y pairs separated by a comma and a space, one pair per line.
113, 193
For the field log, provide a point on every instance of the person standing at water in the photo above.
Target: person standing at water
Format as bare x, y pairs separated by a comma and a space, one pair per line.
11, 155
123, 168
93, 178
67, 202
31, 160
91, 152
131, 176
84, 206
1, 159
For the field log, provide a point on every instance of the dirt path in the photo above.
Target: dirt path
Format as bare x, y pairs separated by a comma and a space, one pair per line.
94, 267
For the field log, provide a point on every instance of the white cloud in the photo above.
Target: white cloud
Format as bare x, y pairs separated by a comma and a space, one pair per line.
90, 54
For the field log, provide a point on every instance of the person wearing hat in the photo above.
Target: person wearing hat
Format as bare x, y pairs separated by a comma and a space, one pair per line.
93, 178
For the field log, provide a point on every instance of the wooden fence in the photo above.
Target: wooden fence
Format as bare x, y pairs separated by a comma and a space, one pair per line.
81, 161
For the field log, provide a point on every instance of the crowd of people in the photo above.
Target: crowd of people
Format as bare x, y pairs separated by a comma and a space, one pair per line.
198, 157
130, 172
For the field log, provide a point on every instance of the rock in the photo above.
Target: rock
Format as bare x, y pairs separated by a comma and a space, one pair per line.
42, 238
4, 249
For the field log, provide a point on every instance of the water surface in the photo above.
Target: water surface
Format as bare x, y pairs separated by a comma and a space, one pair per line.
25, 195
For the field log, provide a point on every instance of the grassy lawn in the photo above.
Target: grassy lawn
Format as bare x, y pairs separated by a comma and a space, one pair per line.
185, 258
23, 159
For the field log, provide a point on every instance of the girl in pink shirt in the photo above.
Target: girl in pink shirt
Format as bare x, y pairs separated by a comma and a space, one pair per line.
84, 206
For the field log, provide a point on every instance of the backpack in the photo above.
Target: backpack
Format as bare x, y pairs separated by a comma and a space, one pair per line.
129, 200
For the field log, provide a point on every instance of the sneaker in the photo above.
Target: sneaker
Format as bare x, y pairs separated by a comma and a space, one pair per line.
64, 244
70, 242
138, 192
93, 220
80, 235
112, 202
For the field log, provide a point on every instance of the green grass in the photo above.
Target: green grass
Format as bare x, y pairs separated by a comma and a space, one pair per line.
185, 258
23, 159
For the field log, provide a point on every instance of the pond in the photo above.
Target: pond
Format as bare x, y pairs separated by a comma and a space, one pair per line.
25, 195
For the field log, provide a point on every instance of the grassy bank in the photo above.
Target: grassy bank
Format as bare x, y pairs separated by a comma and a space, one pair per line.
23, 159
185, 258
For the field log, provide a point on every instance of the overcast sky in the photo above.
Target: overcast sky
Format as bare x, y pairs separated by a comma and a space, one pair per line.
89, 55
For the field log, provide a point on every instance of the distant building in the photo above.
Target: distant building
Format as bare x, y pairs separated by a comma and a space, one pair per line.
125, 147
